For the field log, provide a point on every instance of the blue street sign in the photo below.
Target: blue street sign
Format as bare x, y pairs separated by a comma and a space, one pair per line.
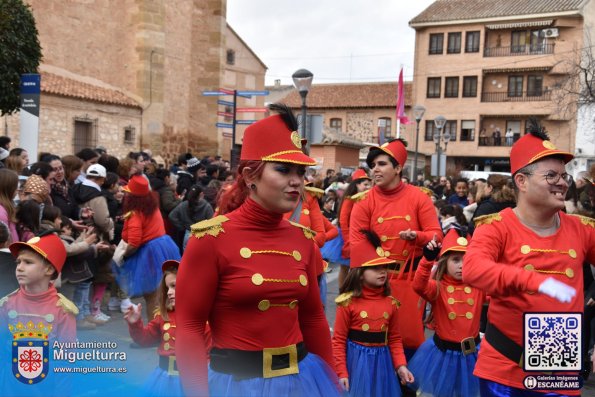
250, 93
213, 93
224, 103
224, 125
245, 121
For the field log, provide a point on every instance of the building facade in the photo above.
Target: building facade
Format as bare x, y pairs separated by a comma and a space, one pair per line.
489, 67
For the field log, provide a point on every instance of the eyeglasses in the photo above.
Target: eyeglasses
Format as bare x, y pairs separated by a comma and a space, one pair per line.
552, 178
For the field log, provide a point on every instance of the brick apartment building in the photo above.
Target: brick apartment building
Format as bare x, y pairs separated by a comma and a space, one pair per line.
489, 66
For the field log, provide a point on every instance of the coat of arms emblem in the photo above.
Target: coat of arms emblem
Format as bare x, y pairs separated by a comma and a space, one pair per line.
30, 351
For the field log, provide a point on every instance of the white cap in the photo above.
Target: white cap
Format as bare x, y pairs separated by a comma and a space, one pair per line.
96, 170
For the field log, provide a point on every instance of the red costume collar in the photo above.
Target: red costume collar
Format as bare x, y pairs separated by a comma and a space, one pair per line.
391, 192
254, 214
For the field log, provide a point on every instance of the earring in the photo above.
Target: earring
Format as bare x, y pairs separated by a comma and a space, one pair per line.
253, 186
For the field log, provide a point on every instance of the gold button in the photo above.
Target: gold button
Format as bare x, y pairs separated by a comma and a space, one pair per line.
452, 315
383, 238
166, 346
469, 315
385, 315
365, 327
166, 336
529, 267
451, 301
407, 218
387, 253
257, 279
293, 304
363, 314
306, 212
572, 253
383, 327
462, 241
470, 301
303, 280
297, 256
379, 251
467, 290
166, 326
264, 305
525, 249
450, 289
569, 272
405, 252
245, 253
380, 219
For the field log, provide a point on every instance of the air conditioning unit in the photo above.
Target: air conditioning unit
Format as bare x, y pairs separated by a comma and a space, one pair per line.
550, 32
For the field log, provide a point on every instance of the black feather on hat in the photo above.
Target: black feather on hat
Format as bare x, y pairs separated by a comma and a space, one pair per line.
536, 129
286, 114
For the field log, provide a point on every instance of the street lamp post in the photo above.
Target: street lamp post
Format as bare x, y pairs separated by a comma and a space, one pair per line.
418, 112
440, 122
302, 80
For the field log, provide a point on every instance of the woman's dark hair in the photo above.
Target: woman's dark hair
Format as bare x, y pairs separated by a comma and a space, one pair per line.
51, 213
162, 173
4, 234
193, 197
71, 164
111, 178
28, 215
87, 154
48, 157
66, 222
17, 151
42, 169
456, 211
110, 163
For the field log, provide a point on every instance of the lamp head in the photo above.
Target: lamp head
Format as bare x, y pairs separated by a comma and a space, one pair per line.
302, 80
418, 112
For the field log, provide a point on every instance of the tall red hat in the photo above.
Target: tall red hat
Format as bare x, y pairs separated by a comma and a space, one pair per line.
49, 246
396, 149
271, 140
137, 185
531, 148
454, 242
359, 174
365, 254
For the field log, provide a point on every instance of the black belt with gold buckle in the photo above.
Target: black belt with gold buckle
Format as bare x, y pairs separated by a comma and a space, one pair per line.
367, 337
169, 364
466, 346
266, 363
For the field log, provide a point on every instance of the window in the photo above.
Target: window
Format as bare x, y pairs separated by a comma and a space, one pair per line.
472, 42
515, 86
384, 128
129, 134
469, 86
451, 89
454, 43
518, 41
436, 43
84, 133
537, 41
468, 130
534, 85
231, 57
336, 125
434, 87
451, 128
521, 38
430, 130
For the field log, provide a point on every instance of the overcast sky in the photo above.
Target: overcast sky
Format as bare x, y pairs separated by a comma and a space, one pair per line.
337, 40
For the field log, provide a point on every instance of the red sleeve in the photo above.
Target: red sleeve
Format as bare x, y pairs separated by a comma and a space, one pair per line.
340, 332
428, 222
194, 298
360, 219
482, 270
422, 284
394, 340
146, 336
346, 207
316, 221
134, 230
313, 322
330, 231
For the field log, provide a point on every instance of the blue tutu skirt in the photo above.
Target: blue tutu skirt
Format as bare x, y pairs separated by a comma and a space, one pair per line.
141, 273
160, 383
331, 250
371, 371
444, 374
489, 388
315, 379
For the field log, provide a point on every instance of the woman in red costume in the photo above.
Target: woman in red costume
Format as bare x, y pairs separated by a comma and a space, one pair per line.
252, 275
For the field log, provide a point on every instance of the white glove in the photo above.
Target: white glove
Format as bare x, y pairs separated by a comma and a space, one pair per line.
557, 289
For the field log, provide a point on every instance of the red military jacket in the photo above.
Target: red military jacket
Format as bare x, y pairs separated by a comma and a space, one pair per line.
252, 275
311, 217
371, 312
509, 261
344, 220
456, 305
158, 330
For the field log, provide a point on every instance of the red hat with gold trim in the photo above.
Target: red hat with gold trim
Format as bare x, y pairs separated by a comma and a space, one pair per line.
50, 247
170, 264
359, 174
453, 241
533, 147
275, 138
137, 185
396, 149
369, 252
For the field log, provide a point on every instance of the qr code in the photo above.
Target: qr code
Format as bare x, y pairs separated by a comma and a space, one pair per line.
552, 341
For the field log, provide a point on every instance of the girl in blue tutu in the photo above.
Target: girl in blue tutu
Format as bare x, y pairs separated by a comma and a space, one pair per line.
366, 343
443, 365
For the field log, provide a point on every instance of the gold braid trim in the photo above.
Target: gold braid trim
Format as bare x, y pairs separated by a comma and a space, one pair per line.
487, 219
395, 302
67, 305
212, 227
585, 220
344, 299
273, 157
318, 193
309, 233
359, 196
427, 191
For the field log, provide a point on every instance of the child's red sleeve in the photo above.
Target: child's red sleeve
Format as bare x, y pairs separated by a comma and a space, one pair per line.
395, 343
146, 336
426, 288
340, 340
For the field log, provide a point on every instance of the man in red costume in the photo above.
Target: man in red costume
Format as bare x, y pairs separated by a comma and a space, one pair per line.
528, 259
405, 219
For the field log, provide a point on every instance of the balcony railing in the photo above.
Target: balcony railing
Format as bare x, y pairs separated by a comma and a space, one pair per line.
515, 50
525, 96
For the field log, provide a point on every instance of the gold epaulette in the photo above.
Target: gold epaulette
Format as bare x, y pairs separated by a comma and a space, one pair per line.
314, 191
5, 299
487, 219
309, 233
212, 227
585, 220
128, 214
427, 191
395, 301
67, 305
344, 299
359, 196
